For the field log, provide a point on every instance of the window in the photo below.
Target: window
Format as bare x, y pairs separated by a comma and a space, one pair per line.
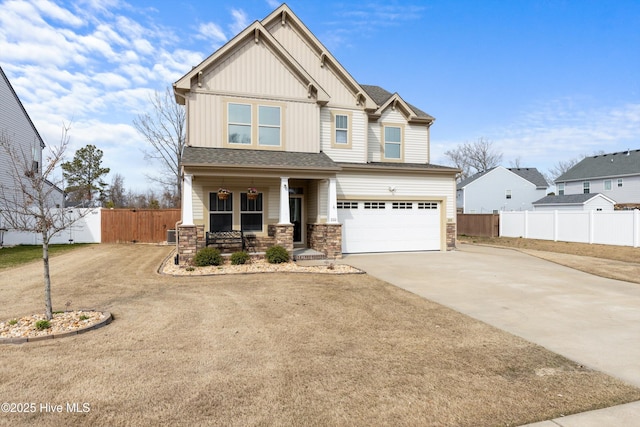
428, 205
585, 187
269, 126
374, 205
250, 213
239, 124
347, 205
342, 129
393, 142
220, 212
619, 182
607, 185
561, 189
402, 205
507, 194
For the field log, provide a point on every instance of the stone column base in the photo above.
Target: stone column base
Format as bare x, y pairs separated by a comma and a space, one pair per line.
190, 240
325, 238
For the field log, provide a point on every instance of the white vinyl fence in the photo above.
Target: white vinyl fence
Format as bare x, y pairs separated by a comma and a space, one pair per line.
85, 230
621, 228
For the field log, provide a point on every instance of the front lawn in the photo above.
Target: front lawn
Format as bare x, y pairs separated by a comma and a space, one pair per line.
22, 254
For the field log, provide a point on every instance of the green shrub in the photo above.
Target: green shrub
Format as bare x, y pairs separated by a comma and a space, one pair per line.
238, 258
41, 325
13, 322
207, 256
277, 255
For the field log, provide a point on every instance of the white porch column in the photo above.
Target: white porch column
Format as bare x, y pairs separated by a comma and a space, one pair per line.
285, 217
332, 202
187, 200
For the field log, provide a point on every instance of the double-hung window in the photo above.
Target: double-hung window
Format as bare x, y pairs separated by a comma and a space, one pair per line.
342, 129
251, 212
586, 187
220, 212
239, 130
619, 182
393, 142
269, 126
561, 189
607, 185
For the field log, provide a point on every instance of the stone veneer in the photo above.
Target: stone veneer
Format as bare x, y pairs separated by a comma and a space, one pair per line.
325, 238
190, 240
282, 235
451, 236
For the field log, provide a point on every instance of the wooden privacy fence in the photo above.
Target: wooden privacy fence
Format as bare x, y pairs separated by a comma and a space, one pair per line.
485, 225
137, 225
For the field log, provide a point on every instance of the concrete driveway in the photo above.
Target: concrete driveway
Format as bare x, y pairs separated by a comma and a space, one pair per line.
591, 320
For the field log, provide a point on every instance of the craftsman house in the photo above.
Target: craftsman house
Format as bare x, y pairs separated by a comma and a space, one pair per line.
283, 144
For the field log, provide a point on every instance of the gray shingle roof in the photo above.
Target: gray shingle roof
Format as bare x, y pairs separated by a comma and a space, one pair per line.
604, 165
568, 199
530, 174
197, 156
380, 96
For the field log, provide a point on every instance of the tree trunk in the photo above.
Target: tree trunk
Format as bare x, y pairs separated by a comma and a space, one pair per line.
47, 278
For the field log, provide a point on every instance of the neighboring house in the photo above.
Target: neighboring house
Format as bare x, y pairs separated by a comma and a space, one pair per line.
575, 202
337, 166
17, 128
615, 175
500, 189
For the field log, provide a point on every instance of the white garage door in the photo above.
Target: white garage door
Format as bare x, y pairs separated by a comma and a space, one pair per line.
377, 226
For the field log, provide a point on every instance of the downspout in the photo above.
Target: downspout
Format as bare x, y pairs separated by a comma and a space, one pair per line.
179, 223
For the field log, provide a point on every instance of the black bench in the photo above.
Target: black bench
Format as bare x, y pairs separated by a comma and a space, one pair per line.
226, 241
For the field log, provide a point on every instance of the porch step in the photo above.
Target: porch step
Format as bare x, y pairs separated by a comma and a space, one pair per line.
304, 254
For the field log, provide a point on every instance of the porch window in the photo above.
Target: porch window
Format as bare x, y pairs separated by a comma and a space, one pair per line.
392, 142
239, 124
586, 187
269, 126
220, 212
251, 213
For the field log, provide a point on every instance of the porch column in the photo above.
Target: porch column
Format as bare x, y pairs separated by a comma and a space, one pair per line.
332, 202
285, 217
187, 200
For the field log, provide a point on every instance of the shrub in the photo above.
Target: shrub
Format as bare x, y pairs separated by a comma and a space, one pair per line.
277, 255
238, 258
41, 325
13, 322
207, 256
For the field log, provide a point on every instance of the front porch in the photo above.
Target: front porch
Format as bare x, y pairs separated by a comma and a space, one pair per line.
306, 212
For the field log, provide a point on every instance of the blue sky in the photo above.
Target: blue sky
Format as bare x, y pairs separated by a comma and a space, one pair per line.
544, 80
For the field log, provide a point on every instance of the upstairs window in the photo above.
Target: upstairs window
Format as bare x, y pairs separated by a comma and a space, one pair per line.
507, 194
586, 186
607, 185
561, 189
392, 142
269, 126
342, 129
619, 182
239, 131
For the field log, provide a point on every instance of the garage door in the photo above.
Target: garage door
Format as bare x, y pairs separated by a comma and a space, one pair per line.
378, 226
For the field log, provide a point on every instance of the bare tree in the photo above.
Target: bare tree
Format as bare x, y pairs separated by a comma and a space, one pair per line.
28, 200
117, 197
516, 163
473, 157
164, 130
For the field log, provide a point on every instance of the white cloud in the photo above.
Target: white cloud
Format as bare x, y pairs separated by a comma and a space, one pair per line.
240, 21
211, 31
54, 11
273, 4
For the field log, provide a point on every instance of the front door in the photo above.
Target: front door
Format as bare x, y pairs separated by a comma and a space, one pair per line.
295, 213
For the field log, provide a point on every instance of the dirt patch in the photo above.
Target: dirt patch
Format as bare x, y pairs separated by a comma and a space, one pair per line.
613, 262
276, 349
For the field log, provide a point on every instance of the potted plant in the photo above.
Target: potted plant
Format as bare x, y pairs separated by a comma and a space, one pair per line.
223, 193
252, 193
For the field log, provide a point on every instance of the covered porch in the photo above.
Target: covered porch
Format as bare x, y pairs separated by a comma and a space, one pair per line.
273, 198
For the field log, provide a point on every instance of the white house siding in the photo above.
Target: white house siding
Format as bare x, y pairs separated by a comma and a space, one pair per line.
628, 193
416, 144
488, 193
309, 57
207, 115
416, 138
358, 126
360, 186
374, 143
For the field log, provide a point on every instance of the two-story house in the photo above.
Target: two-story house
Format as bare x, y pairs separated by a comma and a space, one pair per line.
20, 135
614, 175
500, 189
284, 144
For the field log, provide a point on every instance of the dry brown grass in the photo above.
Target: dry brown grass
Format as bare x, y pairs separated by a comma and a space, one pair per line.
613, 262
276, 349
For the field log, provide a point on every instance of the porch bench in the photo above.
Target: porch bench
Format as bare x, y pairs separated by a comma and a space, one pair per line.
226, 241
